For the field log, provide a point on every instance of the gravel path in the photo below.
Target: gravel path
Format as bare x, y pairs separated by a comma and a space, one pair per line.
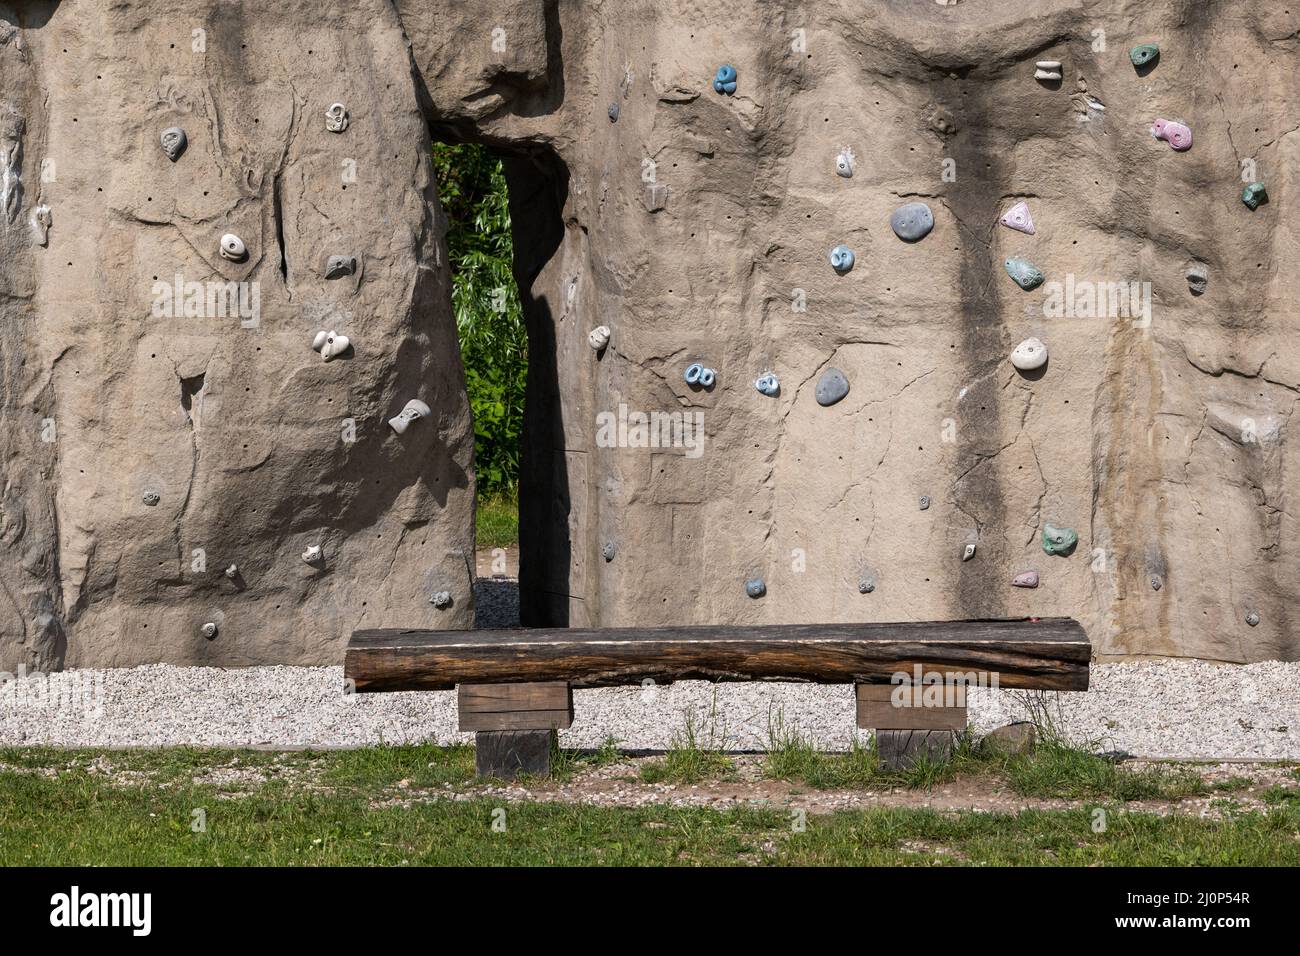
1174, 708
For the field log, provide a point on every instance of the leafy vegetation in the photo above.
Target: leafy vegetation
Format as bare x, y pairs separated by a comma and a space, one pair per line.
485, 300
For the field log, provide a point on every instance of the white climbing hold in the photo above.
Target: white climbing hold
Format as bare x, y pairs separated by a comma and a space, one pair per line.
41, 222
844, 163
312, 554
209, 629
414, 410
233, 248
336, 118
968, 552
232, 571
598, 337
1029, 355
330, 344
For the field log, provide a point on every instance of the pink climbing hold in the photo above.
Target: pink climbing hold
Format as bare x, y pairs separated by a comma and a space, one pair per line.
1018, 218
1175, 134
1025, 579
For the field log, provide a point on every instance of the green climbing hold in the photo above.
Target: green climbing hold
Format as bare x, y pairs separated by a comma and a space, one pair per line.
1059, 540
1024, 272
1144, 54
1254, 195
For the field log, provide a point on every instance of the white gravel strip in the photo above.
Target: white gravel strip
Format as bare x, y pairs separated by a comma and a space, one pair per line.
1170, 708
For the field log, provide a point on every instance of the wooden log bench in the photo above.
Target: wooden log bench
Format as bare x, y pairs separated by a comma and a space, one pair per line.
515, 685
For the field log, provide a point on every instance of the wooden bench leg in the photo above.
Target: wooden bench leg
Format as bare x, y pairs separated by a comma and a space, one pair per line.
505, 754
514, 725
907, 734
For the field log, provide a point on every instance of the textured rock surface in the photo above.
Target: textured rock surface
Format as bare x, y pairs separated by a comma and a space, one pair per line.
697, 225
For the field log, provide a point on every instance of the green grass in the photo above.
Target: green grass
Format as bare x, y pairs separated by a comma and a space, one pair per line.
381, 806
695, 752
497, 521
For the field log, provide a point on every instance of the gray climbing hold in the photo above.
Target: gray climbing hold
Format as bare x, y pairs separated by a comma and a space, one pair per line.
866, 585
608, 550
1059, 540
336, 118
844, 163
233, 571
41, 222
924, 502
768, 384
968, 552
1198, 277
612, 112
441, 600
1156, 583
1252, 618
831, 387
1254, 195
1049, 70
1025, 579
173, 141
339, 266
912, 222
209, 630
841, 259
598, 337
1024, 272
755, 587
151, 498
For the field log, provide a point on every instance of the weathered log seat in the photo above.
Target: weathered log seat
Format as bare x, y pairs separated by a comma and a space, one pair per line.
515, 685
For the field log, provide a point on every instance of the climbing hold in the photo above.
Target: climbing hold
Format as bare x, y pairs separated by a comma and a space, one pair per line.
313, 554
173, 141
598, 337
707, 377
912, 221
414, 410
831, 387
232, 571
768, 384
866, 585
1047, 70
441, 600
612, 112
608, 550
1059, 540
330, 344
1252, 618
339, 266
1025, 579
336, 118
841, 259
1024, 272
724, 81
1029, 355
1156, 583
844, 163
1176, 135
693, 373
1018, 218
209, 630
924, 502
755, 587
1254, 195
41, 222
233, 248
968, 552
1197, 278
151, 498
1142, 55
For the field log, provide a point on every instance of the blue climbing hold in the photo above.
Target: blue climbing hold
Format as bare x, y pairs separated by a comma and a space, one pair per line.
912, 222
841, 259
693, 373
768, 384
724, 81
755, 587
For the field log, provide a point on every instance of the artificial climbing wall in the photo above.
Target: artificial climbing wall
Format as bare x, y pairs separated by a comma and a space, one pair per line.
175, 444
707, 166
731, 194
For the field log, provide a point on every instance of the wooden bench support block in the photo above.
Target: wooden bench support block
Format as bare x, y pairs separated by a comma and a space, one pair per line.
901, 749
505, 754
877, 711
535, 706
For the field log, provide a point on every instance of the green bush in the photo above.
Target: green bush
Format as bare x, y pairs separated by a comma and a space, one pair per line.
485, 299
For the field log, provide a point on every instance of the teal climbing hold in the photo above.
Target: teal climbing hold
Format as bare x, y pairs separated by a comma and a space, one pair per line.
1254, 195
1024, 272
1059, 540
1144, 54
